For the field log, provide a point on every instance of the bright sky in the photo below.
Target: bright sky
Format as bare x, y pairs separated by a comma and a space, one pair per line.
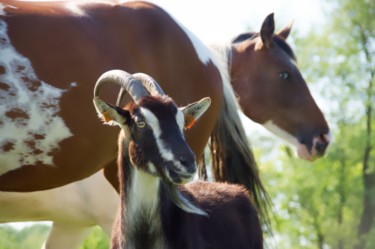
214, 20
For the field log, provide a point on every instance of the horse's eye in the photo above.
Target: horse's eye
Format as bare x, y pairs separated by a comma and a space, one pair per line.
284, 75
141, 124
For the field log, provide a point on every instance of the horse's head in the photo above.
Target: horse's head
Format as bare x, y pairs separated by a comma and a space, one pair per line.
272, 91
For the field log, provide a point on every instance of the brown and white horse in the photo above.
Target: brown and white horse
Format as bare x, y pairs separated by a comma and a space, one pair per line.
52, 52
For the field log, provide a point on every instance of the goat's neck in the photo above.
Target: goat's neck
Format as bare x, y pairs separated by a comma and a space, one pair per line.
141, 216
142, 193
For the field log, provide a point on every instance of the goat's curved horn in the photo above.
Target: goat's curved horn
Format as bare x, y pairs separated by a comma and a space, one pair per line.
148, 82
127, 82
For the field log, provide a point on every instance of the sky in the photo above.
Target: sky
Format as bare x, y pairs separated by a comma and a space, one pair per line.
220, 21
214, 20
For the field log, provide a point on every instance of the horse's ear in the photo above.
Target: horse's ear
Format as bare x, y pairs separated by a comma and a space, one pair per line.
267, 30
284, 33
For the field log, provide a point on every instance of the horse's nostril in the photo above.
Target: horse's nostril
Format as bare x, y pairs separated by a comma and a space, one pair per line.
321, 142
321, 147
326, 137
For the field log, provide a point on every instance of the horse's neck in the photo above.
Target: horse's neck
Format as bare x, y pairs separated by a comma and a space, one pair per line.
140, 213
222, 54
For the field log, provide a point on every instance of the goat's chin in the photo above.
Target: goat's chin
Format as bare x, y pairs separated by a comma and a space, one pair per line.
180, 201
186, 180
178, 178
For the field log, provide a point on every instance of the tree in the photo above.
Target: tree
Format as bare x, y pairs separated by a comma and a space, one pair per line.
331, 203
353, 39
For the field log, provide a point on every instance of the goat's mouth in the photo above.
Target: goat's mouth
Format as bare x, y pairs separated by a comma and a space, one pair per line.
180, 173
181, 201
179, 178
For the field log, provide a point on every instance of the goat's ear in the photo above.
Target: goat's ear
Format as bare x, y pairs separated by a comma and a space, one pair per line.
192, 112
111, 115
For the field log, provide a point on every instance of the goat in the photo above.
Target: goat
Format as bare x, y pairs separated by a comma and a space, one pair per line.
158, 210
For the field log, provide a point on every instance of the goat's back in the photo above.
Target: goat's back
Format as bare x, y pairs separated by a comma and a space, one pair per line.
233, 221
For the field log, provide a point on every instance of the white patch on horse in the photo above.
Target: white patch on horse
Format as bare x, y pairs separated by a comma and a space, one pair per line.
2, 7
272, 127
30, 129
74, 8
73, 84
2, 12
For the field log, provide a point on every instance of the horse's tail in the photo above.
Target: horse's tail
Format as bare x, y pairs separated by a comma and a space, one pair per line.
232, 157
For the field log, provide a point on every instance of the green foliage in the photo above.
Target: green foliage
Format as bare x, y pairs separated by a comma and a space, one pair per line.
27, 238
7, 237
318, 203
321, 204
34, 236
97, 239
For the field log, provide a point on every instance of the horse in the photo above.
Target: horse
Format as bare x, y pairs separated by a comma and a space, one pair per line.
46, 75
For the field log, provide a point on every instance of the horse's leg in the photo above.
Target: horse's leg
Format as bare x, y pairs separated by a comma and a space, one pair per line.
63, 236
104, 201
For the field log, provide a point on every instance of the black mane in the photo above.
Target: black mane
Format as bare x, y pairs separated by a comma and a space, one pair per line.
279, 41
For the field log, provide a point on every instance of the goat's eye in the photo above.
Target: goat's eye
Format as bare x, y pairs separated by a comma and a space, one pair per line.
284, 75
141, 124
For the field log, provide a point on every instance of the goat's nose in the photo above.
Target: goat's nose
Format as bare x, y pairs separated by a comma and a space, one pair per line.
188, 162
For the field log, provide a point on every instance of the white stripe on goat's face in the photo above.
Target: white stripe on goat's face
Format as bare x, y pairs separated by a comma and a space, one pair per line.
176, 162
153, 122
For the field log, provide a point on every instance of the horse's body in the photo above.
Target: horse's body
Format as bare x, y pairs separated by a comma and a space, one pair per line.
45, 75
51, 54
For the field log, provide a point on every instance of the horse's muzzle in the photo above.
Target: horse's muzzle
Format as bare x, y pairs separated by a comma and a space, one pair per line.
319, 146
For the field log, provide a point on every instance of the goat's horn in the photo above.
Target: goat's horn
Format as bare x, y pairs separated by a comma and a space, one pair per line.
148, 82
127, 82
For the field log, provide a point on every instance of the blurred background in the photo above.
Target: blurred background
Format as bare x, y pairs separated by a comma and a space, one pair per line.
326, 204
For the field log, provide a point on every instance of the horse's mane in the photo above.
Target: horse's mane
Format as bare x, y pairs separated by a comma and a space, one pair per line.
277, 39
231, 154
